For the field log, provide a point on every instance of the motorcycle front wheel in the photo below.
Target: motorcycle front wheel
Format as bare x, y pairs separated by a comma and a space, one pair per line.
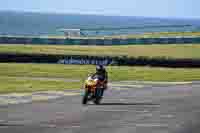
98, 96
85, 97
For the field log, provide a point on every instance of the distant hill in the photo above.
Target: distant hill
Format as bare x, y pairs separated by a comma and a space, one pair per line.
27, 23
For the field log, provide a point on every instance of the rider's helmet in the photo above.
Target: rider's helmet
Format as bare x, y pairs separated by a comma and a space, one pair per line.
100, 68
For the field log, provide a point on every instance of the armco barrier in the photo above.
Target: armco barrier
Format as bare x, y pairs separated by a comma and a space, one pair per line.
83, 41
114, 41
108, 42
124, 41
100, 42
91, 41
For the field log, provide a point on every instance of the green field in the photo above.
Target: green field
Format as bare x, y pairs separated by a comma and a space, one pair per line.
169, 51
166, 34
157, 35
41, 77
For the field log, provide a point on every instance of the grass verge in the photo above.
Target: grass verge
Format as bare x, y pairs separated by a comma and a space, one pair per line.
28, 77
21, 85
178, 51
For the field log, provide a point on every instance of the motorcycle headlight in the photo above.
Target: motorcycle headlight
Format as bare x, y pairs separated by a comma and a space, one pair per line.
90, 82
93, 82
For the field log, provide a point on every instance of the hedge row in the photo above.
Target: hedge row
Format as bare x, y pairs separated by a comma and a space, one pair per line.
120, 61
159, 62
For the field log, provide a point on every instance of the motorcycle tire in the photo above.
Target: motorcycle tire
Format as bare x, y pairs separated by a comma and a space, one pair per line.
98, 96
97, 101
85, 98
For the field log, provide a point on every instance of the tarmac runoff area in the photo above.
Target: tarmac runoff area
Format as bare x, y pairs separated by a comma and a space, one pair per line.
127, 107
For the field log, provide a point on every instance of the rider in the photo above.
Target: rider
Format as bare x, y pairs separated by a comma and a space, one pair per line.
100, 70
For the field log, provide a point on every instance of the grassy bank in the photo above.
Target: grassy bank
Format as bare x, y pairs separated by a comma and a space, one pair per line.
41, 77
26, 84
169, 51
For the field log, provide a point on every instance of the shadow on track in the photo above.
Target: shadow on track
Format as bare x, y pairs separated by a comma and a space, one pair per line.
129, 104
8, 125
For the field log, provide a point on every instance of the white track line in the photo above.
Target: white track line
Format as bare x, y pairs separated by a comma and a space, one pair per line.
155, 82
151, 125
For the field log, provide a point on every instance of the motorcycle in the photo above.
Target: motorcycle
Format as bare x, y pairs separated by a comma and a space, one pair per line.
93, 89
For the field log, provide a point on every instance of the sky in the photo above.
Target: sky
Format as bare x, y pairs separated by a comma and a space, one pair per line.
146, 8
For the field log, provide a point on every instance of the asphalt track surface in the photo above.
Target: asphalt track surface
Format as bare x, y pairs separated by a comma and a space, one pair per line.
144, 109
